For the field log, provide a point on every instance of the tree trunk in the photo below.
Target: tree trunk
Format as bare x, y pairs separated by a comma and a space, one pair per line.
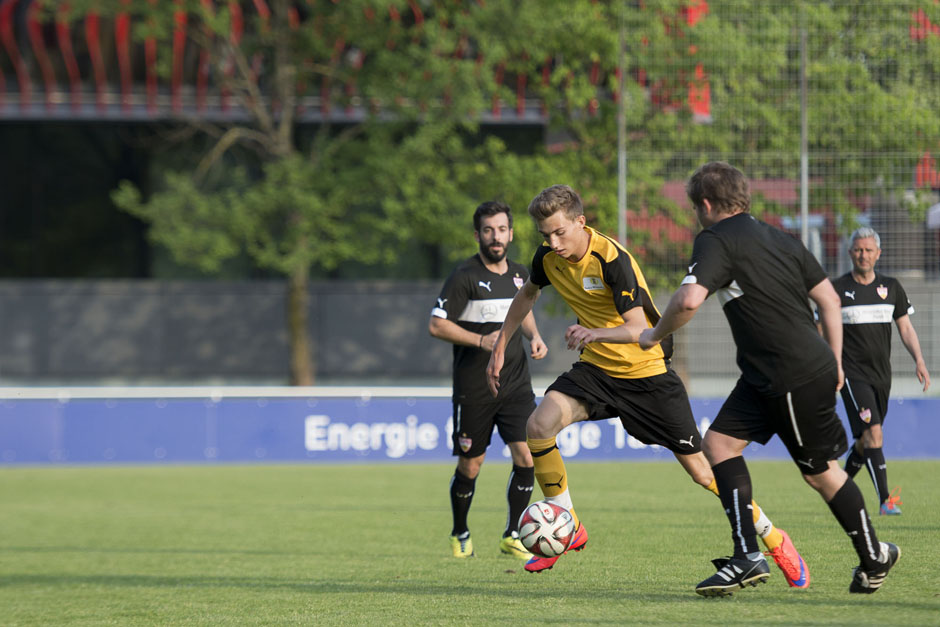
301, 358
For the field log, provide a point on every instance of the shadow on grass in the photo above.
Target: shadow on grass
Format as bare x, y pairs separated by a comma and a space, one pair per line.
422, 588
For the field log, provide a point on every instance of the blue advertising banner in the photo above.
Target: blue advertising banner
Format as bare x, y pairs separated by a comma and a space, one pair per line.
333, 429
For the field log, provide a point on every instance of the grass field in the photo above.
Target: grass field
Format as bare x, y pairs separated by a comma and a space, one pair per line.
367, 545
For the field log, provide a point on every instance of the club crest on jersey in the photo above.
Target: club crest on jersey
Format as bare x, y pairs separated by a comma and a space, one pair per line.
865, 415
592, 283
518, 281
465, 443
882, 291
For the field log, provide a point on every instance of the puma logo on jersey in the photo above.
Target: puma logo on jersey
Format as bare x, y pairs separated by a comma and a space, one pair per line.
689, 441
692, 267
486, 285
440, 302
850, 294
628, 294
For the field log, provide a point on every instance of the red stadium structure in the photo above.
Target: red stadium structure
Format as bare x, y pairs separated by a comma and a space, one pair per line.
61, 66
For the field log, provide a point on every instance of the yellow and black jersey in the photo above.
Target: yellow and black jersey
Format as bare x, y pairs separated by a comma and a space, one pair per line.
603, 285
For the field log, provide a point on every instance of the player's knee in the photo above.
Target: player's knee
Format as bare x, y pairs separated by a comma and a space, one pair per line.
872, 437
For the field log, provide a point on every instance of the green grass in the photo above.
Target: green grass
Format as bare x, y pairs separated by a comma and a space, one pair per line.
367, 545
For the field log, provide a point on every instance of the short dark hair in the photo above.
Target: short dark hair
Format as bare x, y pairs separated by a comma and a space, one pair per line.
491, 208
725, 187
556, 198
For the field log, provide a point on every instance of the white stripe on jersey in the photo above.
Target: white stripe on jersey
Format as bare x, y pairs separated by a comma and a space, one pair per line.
489, 310
728, 294
437, 312
867, 314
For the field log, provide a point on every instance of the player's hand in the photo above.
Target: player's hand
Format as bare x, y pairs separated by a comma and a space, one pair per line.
489, 341
538, 348
923, 376
492, 371
578, 337
646, 340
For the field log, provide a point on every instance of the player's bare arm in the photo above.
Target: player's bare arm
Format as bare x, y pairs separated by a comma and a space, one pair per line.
912, 344
521, 306
455, 334
682, 307
634, 321
830, 319
538, 348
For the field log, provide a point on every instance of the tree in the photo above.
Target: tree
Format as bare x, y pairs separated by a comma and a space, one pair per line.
420, 73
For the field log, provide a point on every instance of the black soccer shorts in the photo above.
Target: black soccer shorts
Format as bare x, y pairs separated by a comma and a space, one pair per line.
865, 405
804, 418
473, 424
654, 410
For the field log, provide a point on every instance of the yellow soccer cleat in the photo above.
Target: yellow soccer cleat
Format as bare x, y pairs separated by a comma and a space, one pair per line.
510, 545
462, 545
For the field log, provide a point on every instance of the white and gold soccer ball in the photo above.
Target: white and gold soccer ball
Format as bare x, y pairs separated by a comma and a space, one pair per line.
546, 529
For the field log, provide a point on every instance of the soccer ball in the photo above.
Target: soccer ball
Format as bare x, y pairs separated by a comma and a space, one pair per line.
546, 529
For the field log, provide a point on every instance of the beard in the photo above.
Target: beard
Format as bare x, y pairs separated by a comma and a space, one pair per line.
491, 255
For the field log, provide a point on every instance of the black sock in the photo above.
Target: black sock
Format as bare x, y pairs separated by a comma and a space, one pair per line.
518, 493
854, 462
734, 490
848, 506
461, 495
875, 460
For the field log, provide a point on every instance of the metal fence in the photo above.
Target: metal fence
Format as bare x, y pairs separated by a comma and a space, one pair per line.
865, 96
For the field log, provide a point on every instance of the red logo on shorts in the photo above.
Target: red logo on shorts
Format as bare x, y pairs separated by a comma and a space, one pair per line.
465, 443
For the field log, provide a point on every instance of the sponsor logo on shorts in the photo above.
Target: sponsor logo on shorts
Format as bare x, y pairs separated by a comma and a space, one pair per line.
865, 415
465, 443
689, 441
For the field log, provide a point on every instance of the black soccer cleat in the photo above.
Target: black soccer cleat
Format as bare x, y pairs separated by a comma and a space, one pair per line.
867, 582
733, 573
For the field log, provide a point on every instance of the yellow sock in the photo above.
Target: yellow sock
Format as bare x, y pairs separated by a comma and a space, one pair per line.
770, 536
765, 529
550, 472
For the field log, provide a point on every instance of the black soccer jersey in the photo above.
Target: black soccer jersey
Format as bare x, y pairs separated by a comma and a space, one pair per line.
761, 276
478, 300
868, 311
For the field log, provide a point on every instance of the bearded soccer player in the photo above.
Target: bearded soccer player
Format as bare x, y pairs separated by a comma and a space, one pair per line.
871, 301
469, 312
605, 287
764, 279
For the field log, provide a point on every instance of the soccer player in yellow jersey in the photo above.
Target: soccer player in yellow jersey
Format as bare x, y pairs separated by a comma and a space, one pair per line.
605, 287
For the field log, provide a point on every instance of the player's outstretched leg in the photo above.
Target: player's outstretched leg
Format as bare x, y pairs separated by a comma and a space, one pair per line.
553, 481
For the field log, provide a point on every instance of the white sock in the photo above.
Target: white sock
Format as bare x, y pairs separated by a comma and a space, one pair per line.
563, 499
763, 525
